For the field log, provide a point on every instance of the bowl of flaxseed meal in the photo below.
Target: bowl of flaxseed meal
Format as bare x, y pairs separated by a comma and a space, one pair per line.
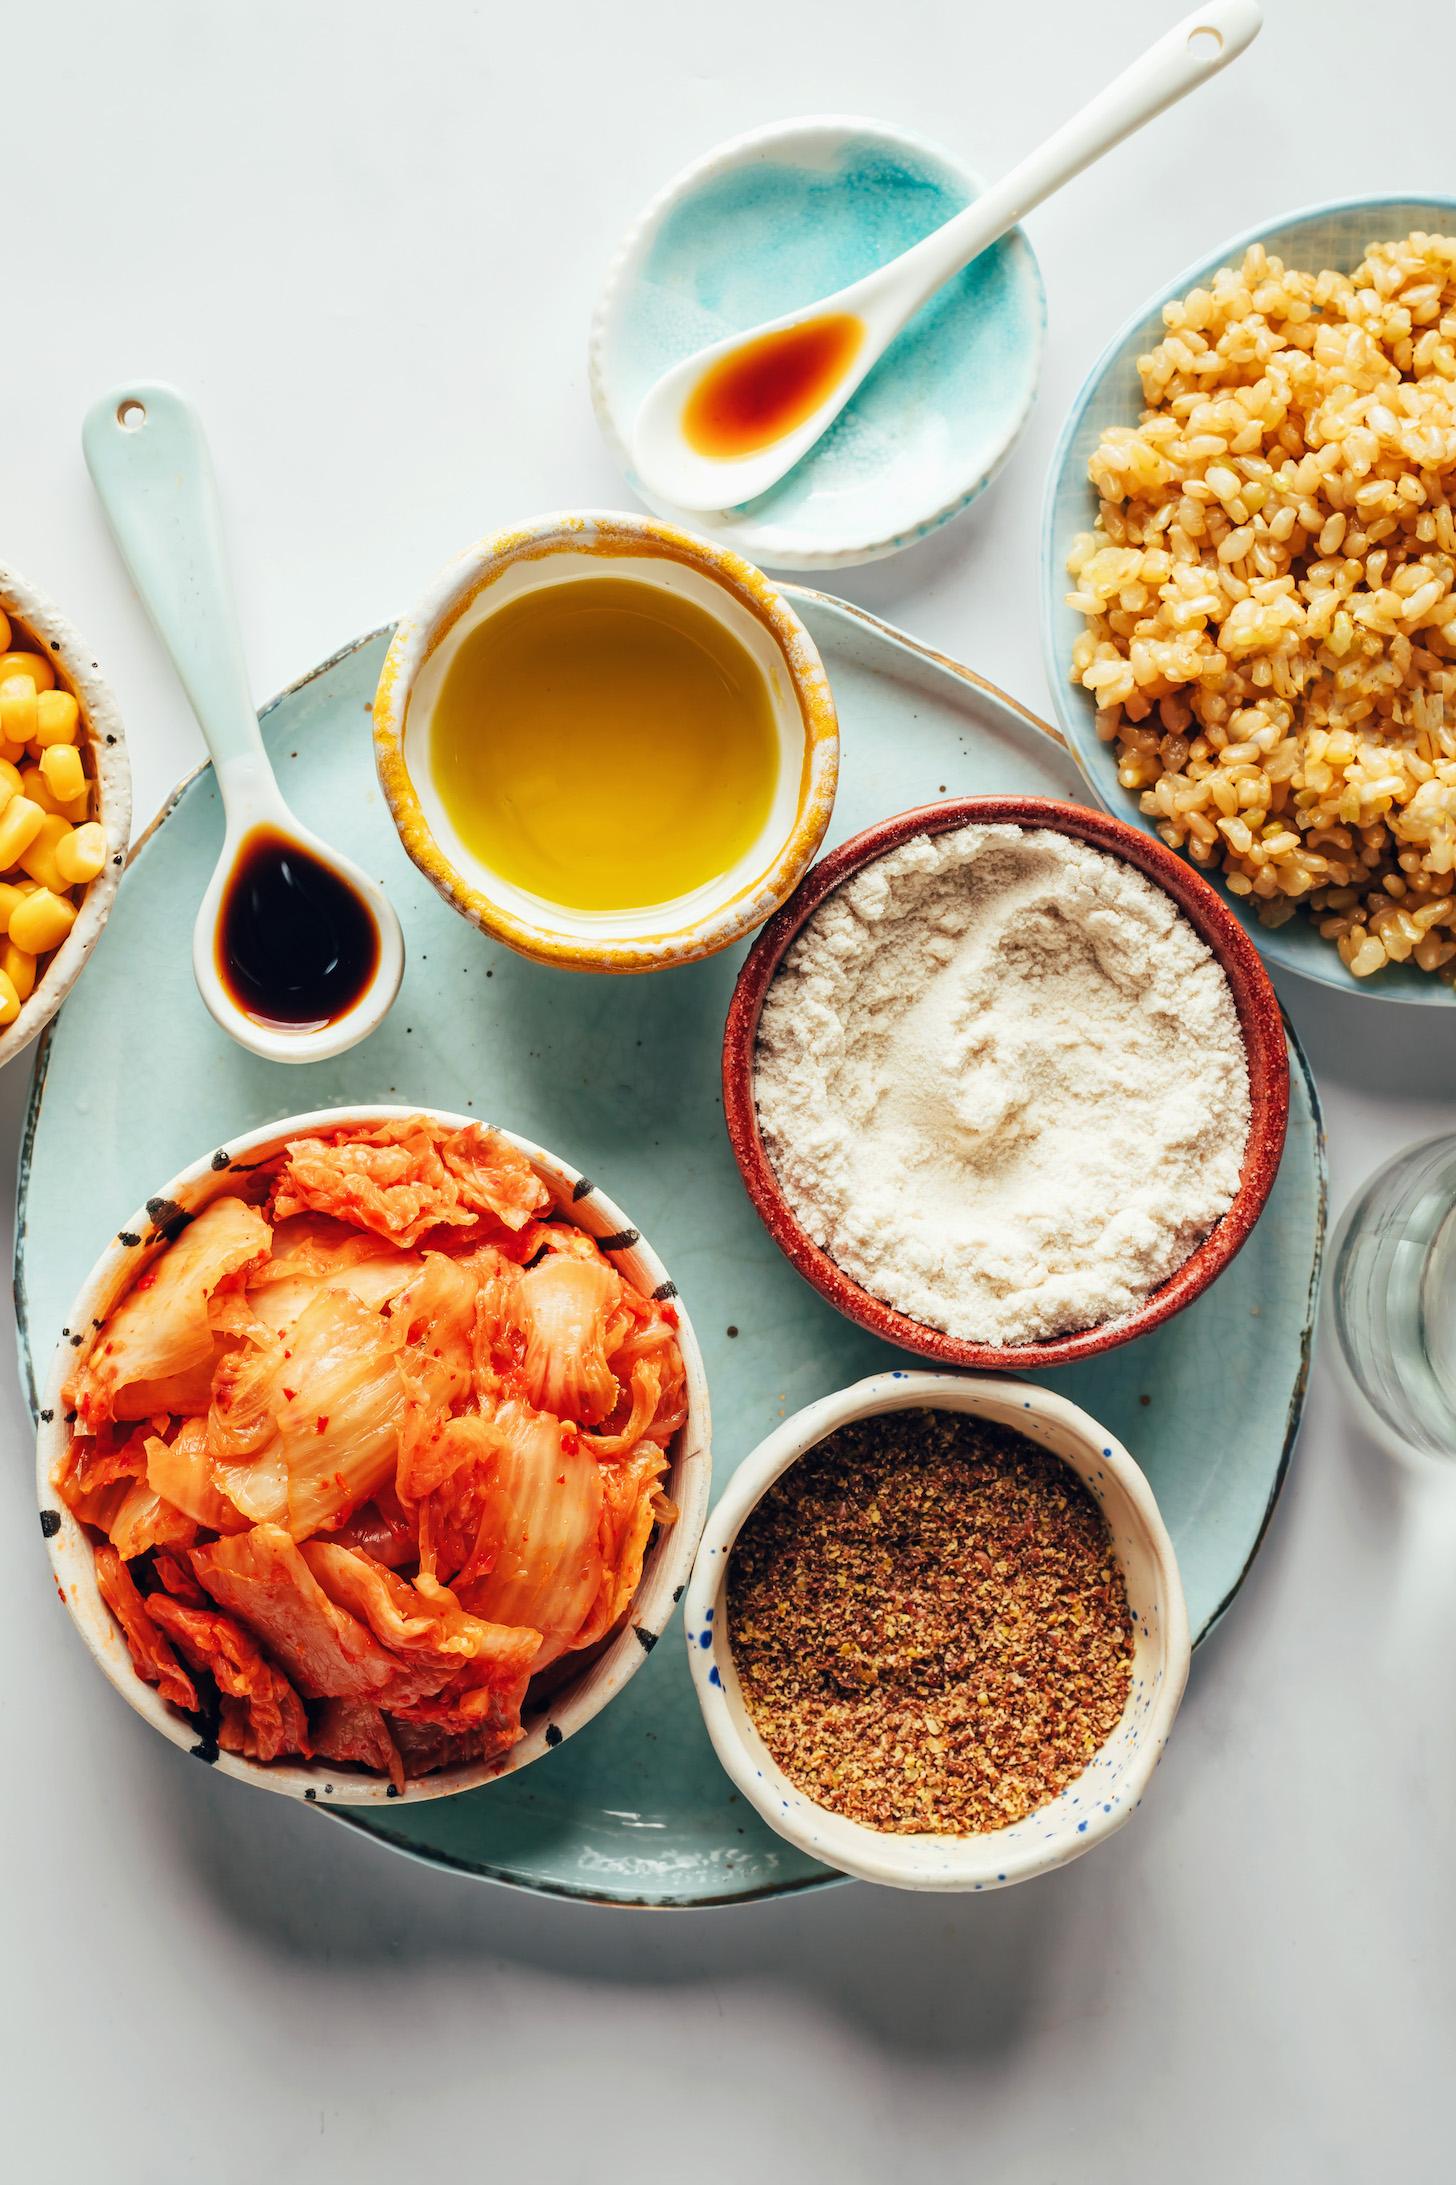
1006, 1081
938, 1632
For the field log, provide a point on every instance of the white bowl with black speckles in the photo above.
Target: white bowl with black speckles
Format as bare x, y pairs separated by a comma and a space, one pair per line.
1110, 1788
575, 1695
102, 739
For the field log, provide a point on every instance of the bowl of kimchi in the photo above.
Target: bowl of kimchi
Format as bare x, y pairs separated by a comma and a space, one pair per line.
375, 1455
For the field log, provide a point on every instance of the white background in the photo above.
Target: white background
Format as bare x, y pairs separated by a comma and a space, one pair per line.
366, 236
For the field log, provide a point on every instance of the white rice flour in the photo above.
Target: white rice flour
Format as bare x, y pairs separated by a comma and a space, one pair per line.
1002, 1083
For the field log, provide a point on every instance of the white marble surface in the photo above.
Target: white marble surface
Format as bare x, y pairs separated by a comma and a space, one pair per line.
366, 238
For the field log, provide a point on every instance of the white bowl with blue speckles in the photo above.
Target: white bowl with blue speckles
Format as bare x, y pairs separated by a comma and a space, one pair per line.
1108, 1791
773, 219
562, 1701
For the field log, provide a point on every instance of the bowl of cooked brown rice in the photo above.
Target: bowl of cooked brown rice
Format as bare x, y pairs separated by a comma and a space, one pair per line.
1249, 586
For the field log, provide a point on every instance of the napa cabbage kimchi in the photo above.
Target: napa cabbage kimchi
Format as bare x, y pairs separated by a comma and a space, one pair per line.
379, 1437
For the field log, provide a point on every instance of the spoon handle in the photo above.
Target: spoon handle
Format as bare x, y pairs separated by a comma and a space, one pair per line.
148, 459
1177, 63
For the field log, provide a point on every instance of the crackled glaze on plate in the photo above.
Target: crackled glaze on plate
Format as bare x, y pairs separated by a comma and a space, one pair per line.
621, 1078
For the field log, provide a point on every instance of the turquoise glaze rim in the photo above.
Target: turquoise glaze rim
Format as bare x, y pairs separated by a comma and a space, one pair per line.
1069, 506
774, 542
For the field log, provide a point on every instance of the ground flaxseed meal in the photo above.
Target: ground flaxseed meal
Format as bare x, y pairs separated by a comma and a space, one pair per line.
929, 1626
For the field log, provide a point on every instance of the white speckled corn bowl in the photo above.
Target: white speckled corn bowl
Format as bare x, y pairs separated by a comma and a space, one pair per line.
102, 737
1109, 1789
573, 1701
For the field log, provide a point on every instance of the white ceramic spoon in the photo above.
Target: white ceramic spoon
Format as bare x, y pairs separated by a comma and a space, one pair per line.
674, 470
148, 459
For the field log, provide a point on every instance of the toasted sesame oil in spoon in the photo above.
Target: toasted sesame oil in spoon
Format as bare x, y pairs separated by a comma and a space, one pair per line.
756, 393
605, 744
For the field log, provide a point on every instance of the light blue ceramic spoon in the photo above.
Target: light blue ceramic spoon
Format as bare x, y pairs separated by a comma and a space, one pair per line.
148, 459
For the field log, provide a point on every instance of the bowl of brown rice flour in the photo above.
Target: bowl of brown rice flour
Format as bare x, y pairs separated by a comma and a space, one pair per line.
1006, 1081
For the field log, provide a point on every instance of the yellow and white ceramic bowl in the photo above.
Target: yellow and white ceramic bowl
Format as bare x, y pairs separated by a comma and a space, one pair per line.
560, 550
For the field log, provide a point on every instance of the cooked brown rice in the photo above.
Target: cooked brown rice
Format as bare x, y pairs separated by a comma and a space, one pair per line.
1271, 626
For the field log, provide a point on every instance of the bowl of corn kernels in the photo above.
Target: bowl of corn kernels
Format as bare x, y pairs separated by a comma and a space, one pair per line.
65, 809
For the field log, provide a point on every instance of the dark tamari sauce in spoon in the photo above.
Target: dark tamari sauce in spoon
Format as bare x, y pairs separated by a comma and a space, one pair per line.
763, 389
296, 945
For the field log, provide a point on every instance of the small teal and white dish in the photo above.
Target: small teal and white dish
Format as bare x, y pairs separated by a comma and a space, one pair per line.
798, 210
1332, 235
1107, 1792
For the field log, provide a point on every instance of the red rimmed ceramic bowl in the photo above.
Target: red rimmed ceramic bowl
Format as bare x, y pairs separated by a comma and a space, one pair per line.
1254, 1000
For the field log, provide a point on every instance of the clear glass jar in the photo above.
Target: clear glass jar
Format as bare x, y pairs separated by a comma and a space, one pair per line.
1393, 1295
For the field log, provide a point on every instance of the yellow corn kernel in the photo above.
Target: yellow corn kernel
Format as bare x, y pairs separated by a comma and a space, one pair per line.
4, 632
20, 823
41, 922
81, 854
39, 857
11, 893
18, 968
10, 782
34, 666
65, 776
18, 715
9, 1001
57, 717
34, 785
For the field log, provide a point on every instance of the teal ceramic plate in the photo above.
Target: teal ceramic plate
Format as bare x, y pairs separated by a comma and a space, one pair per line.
620, 1076
1335, 235
773, 220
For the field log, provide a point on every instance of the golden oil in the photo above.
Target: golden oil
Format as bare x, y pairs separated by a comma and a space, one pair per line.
605, 744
